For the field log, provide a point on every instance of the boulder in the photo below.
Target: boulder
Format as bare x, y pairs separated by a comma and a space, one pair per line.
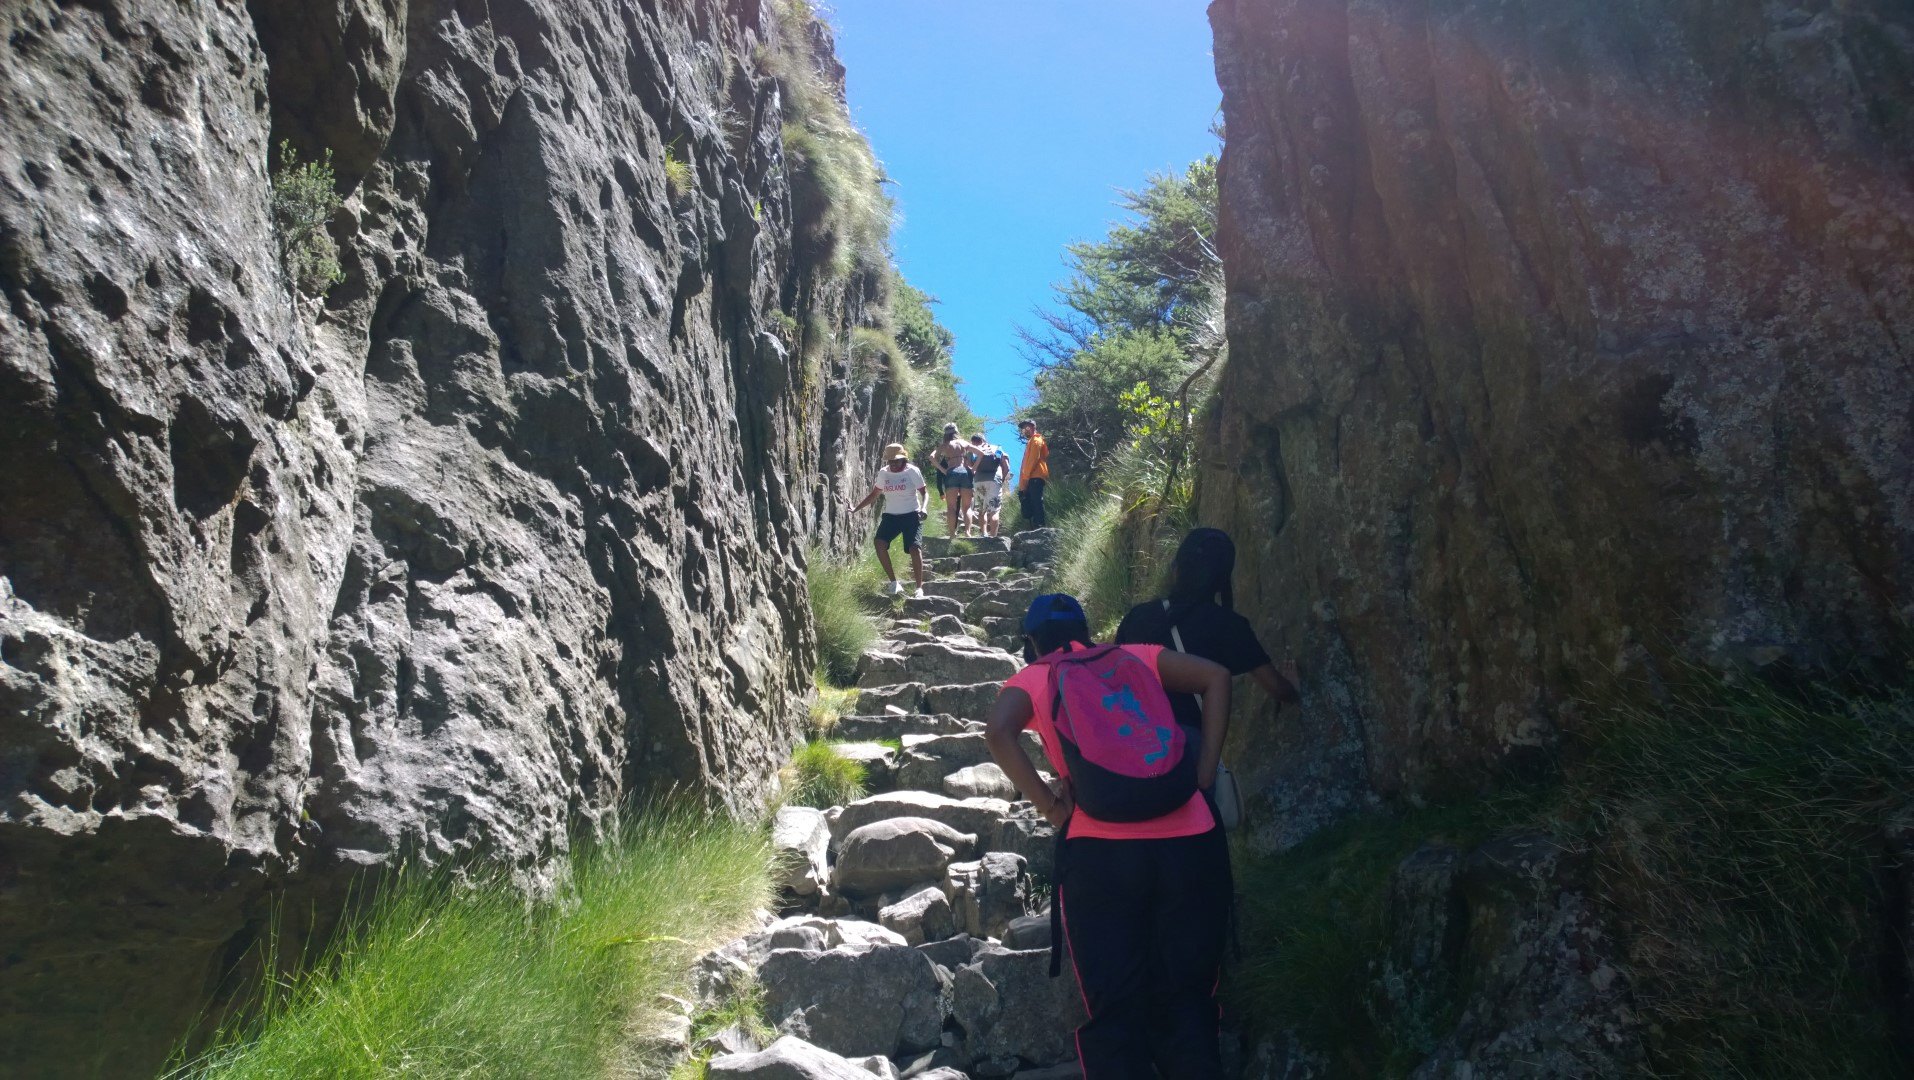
895, 852
926, 607
978, 817
953, 952
1011, 1011
949, 626
980, 781
1029, 835
927, 759
968, 661
906, 696
802, 839
921, 917
988, 893
886, 1000
725, 971
880, 768
880, 667
1028, 932
877, 1065
789, 1058
1035, 548
968, 701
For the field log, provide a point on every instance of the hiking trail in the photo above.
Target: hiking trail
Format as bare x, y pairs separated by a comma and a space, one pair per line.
915, 937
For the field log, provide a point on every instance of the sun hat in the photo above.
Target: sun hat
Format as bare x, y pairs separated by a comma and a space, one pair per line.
1052, 607
893, 451
950, 429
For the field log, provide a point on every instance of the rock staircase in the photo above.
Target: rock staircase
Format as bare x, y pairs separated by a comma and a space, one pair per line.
914, 940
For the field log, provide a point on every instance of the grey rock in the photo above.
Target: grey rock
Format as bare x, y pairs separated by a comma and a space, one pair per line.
1010, 1009
454, 564
941, 1072
802, 840
728, 1040
789, 1058
921, 917
952, 952
886, 1000
1028, 932
949, 626
877, 1065
1032, 837
927, 759
938, 663
897, 725
880, 667
1067, 1071
988, 893
977, 817
968, 701
980, 781
906, 696
926, 607
985, 560
962, 590
895, 852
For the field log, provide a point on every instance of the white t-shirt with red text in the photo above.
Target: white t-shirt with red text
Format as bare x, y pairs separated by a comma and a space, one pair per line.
900, 488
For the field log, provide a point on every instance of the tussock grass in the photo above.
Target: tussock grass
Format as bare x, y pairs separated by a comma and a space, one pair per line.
844, 596
450, 975
821, 777
875, 350
829, 705
1738, 837
678, 175
1123, 536
843, 217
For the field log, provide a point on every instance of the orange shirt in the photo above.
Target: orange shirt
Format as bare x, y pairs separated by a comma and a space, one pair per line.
1192, 820
1036, 461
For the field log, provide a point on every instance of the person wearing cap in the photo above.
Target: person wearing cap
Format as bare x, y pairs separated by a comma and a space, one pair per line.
989, 464
901, 485
1199, 617
1034, 475
1145, 904
955, 479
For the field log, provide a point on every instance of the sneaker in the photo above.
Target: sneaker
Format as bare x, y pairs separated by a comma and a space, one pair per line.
920, 594
895, 588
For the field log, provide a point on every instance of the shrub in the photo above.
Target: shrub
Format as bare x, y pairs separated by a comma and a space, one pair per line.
678, 175
843, 597
449, 974
820, 776
304, 200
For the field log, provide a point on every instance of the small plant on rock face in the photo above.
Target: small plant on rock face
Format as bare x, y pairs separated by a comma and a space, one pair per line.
678, 175
304, 200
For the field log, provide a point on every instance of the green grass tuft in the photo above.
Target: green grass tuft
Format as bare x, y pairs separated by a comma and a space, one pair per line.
844, 597
830, 704
678, 175
821, 777
457, 975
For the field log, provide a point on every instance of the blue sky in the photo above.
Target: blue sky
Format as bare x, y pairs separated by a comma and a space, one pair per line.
1008, 126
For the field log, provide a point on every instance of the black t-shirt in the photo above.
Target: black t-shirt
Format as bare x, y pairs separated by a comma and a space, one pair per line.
1209, 631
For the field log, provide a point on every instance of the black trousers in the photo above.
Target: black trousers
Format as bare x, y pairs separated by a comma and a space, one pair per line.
1147, 921
1031, 499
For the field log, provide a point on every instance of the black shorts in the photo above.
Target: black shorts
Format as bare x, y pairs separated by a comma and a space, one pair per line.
891, 526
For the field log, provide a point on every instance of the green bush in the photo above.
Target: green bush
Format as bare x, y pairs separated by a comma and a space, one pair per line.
844, 596
304, 200
678, 175
457, 975
820, 776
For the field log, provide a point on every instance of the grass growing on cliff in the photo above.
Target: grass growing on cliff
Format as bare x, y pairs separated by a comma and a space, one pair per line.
459, 976
1738, 836
844, 597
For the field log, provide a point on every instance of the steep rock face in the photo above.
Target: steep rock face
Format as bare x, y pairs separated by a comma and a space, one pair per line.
508, 532
1564, 339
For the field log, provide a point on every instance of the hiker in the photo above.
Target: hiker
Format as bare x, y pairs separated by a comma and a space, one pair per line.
956, 482
1199, 617
1034, 475
1143, 887
901, 485
989, 464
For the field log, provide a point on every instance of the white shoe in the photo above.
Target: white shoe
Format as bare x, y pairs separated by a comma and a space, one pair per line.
895, 588
920, 594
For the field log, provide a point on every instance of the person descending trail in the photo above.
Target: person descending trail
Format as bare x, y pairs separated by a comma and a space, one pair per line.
1143, 887
990, 465
901, 485
1034, 475
955, 479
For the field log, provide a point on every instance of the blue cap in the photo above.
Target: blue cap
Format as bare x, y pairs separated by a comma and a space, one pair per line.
1052, 607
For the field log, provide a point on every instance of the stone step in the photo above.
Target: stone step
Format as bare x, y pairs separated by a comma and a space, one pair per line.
926, 759
965, 701
897, 725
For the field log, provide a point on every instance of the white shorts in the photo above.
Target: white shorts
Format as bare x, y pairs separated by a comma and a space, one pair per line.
990, 494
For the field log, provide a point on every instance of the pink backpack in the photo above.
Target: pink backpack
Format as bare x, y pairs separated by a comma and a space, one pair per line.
1128, 758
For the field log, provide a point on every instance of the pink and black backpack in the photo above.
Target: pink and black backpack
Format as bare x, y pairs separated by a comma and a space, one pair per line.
1128, 758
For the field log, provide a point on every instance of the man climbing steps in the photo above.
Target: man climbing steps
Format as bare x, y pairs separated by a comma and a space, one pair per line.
901, 485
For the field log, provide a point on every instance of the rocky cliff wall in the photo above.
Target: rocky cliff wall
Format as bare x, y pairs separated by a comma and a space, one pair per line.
1565, 339
505, 533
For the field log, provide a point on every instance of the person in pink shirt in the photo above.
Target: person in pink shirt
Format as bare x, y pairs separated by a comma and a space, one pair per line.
1145, 903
